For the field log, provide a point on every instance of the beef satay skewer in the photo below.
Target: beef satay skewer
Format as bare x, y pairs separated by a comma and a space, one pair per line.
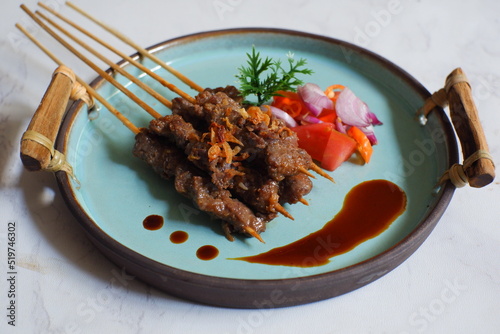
140, 49
89, 89
131, 60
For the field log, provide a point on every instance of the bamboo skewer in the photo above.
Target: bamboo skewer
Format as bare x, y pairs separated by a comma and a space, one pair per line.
254, 234
306, 172
278, 207
115, 67
140, 49
132, 61
321, 172
102, 73
89, 89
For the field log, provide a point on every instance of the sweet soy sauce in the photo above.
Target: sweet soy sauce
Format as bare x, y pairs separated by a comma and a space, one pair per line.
369, 209
153, 222
207, 252
179, 237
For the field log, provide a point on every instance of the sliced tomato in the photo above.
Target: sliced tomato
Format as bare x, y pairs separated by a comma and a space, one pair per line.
339, 148
313, 138
325, 144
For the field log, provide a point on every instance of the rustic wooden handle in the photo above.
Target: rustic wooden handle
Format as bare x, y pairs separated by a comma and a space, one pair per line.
465, 119
47, 120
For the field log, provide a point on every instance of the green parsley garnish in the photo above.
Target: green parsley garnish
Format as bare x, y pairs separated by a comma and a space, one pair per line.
277, 77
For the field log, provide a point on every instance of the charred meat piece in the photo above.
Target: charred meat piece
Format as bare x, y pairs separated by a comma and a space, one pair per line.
293, 188
258, 192
218, 202
231, 91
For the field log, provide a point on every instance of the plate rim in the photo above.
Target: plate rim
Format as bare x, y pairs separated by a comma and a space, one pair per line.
252, 290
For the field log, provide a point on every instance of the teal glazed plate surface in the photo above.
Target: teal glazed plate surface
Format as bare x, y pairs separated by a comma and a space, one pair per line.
118, 191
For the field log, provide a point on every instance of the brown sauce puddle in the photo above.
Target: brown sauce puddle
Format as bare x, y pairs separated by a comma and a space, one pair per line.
207, 252
179, 237
153, 222
369, 209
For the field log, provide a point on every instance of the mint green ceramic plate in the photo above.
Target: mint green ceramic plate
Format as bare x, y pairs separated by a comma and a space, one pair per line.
118, 190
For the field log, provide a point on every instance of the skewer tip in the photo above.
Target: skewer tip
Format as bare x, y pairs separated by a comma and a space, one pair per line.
254, 234
304, 201
306, 172
278, 207
321, 172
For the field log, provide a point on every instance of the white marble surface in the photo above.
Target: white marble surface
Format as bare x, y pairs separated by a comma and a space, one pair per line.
64, 285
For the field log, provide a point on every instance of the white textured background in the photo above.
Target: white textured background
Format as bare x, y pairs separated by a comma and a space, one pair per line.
450, 285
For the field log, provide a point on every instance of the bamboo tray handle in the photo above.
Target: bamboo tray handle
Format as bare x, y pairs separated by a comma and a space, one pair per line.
478, 169
37, 144
478, 164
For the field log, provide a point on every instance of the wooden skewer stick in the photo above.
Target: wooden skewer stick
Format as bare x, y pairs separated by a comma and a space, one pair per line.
89, 89
102, 73
254, 234
321, 172
306, 172
278, 207
140, 49
304, 201
115, 67
132, 61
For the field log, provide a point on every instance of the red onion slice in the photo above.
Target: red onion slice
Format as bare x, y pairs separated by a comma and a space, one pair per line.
314, 98
353, 111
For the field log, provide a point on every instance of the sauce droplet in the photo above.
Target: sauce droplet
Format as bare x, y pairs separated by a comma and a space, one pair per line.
178, 237
369, 209
207, 252
153, 222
